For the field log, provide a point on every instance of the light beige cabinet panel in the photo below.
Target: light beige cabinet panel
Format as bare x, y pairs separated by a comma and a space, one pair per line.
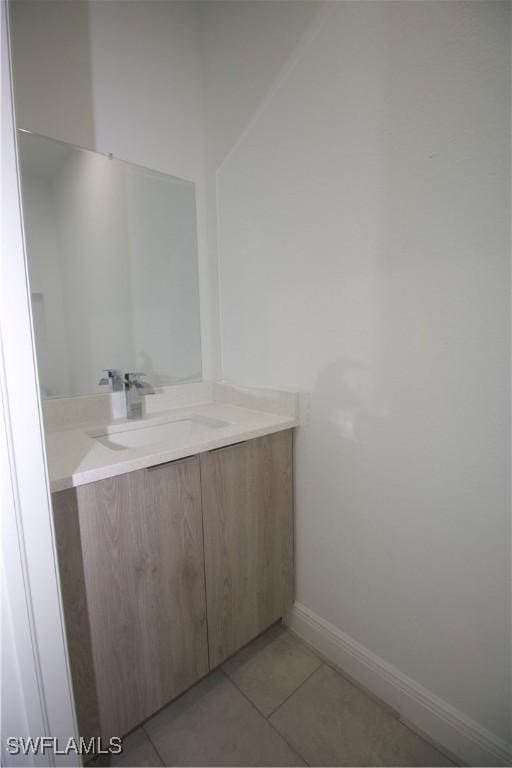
139, 582
248, 531
143, 571
70, 559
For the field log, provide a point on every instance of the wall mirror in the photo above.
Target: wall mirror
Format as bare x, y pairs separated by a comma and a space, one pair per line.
113, 271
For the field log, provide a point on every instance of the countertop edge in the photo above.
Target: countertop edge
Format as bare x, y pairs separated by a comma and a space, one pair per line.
165, 456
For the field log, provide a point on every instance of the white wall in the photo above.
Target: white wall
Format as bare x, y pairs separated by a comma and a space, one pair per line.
131, 70
51, 65
364, 256
126, 78
243, 45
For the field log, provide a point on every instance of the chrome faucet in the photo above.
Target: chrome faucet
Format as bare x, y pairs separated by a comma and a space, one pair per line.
113, 378
133, 388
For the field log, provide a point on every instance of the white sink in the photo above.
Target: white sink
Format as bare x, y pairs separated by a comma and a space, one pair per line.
191, 428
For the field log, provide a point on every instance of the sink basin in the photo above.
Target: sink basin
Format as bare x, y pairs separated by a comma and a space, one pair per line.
190, 428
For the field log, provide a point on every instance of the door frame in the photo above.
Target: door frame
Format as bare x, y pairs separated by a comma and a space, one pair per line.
36, 657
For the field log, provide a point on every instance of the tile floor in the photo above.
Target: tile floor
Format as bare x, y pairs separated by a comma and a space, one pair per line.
276, 703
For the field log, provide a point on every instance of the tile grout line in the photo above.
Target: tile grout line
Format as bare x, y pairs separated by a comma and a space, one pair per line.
321, 663
375, 698
310, 651
295, 690
346, 676
143, 726
431, 744
253, 705
265, 717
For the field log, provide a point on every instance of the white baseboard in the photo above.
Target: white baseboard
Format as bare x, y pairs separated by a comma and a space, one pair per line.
444, 724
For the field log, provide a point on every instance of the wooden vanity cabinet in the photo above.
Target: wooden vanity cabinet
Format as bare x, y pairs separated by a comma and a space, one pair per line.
139, 582
248, 531
141, 575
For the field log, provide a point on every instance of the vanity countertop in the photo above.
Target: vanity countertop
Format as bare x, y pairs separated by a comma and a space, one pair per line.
76, 456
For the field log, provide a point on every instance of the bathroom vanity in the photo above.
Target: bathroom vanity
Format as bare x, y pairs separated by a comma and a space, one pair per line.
169, 568
173, 512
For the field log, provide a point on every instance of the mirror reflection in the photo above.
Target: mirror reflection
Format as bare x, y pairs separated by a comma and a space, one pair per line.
112, 260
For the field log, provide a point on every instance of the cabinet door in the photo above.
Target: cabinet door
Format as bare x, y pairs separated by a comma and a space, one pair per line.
248, 532
142, 544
